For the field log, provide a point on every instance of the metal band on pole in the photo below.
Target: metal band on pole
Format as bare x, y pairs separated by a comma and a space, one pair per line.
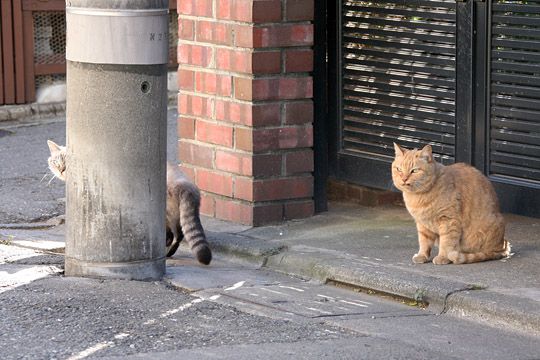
117, 36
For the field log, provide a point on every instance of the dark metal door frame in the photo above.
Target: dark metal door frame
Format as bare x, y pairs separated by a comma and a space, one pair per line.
321, 86
344, 165
517, 194
473, 124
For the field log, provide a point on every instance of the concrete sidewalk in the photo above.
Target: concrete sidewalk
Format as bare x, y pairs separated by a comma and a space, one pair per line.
369, 250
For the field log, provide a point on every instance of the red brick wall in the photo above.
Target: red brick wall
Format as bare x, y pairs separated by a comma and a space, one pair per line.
245, 107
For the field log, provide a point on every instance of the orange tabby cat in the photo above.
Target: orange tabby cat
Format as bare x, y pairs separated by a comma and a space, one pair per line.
454, 206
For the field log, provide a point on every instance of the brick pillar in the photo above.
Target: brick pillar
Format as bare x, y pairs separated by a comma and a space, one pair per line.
245, 107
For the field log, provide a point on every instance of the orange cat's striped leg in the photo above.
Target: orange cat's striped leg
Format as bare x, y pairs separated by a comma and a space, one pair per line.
449, 236
426, 240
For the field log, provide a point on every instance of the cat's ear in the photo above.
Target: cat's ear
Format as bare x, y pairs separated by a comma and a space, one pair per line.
53, 147
399, 150
426, 153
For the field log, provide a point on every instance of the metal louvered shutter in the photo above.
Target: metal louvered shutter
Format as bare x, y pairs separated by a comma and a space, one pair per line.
515, 91
398, 77
463, 76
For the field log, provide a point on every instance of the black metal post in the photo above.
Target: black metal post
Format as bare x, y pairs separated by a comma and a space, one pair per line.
334, 83
320, 94
481, 112
464, 80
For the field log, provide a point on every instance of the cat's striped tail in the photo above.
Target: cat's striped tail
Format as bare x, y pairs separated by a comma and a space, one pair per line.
191, 225
466, 258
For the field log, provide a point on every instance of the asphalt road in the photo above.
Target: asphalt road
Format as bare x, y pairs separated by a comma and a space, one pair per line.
26, 195
225, 311
62, 317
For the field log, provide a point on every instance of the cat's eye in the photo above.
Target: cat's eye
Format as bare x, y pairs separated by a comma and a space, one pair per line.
415, 170
398, 169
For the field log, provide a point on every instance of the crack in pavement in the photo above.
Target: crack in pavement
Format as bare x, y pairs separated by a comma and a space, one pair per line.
446, 298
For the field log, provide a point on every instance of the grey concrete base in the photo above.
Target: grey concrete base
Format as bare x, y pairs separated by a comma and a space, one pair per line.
116, 129
135, 270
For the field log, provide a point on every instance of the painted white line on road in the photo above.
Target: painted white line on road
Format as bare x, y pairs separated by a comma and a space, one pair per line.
236, 286
364, 302
292, 288
11, 280
320, 311
100, 346
92, 349
181, 308
274, 291
353, 303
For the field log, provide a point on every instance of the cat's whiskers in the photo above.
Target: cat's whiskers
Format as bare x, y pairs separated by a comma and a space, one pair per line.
44, 176
49, 183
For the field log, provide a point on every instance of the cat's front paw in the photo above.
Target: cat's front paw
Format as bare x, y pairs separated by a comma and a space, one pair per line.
441, 260
456, 257
419, 259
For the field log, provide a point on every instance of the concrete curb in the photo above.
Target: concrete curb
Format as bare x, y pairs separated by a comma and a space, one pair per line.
243, 248
31, 111
443, 296
497, 309
35, 111
47, 224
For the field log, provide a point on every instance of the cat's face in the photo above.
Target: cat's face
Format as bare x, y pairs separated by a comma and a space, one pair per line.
413, 170
57, 160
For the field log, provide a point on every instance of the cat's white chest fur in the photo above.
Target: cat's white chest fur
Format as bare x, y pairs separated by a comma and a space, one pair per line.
421, 214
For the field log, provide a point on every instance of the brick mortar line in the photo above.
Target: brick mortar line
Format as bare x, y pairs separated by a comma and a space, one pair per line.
222, 72
256, 203
261, 76
244, 152
208, 96
247, 127
244, 48
241, 101
218, 46
283, 21
250, 75
300, 175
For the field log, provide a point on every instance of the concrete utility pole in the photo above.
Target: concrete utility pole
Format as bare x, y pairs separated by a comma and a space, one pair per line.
117, 51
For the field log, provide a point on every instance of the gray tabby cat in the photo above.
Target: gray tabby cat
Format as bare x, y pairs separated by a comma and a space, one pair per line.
182, 211
183, 221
